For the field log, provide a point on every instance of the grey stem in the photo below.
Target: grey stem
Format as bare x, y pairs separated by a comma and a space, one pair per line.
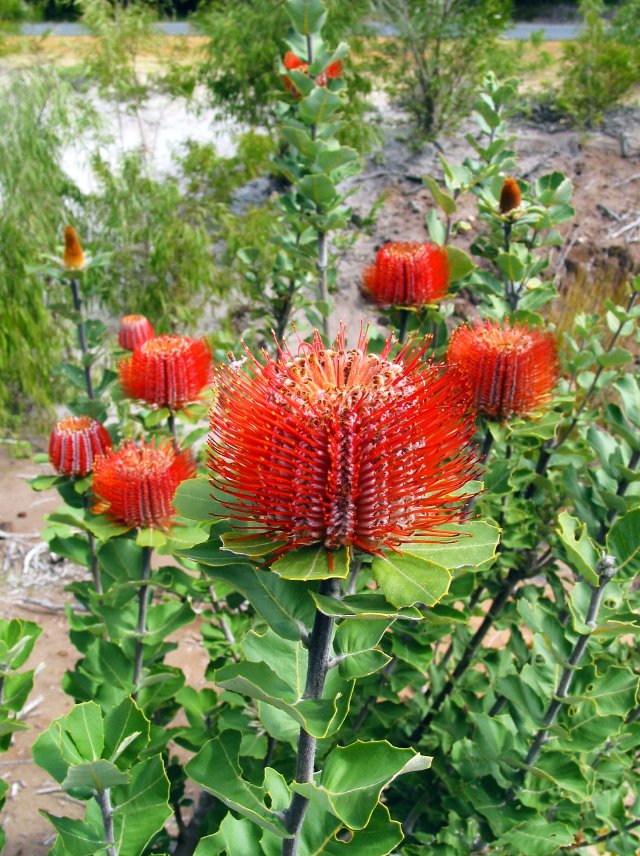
77, 305
143, 604
93, 556
403, 322
606, 571
323, 288
103, 800
171, 423
319, 650
227, 632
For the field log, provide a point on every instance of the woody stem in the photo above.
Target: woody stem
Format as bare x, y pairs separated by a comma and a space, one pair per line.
77, 305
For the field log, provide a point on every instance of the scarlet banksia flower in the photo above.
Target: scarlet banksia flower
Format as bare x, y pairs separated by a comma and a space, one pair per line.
510, 196
407, 274
73, 256
74, 444
168, 371
342, 447
512, 369
134, 330
135, 486
293, 63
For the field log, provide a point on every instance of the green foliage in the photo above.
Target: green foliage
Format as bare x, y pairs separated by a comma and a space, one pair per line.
440, 56
601, 66
38, 114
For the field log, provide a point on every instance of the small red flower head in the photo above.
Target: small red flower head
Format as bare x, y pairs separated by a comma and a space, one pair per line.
293, 63
512, 369
135, 485
74, 444
408, 274
510, 196
342, 447
134, 330
73, 257
168, 371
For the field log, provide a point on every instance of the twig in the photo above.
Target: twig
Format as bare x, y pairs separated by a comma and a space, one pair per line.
631, 178
103, 800
623, 229
143, 603
77, 305
607, 836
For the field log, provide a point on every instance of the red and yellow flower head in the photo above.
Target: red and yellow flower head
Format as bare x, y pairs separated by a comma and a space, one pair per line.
512, 369
74, 444
135, 486
510, 196
407, 274
73, 256
342, 447
168, 371
293, 63
134, 331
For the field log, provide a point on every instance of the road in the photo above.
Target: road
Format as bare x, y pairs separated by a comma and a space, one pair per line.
519, 32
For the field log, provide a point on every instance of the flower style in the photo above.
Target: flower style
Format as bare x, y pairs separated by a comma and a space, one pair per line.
407, 274
512, 369
134, 330
342, 447
73, 256
510, 196
75, 443
293, 63
168, 371
135, 486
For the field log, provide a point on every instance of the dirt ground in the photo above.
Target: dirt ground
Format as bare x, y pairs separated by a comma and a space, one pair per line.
602, 245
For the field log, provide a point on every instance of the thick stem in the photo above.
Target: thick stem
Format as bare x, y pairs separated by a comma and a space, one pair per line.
227, 632
104, 801
77, 305
143, 603
403, 322
622, 489
319, 650
190, 836
510, 582
93, 556
171, 424
323, 287
607, 569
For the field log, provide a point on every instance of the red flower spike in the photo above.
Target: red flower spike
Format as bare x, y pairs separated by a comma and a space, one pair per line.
512, 370
293, 63
134, 330
408, 274
342, 447
510, 196
135, 486
73, 256
168, 371
74, 444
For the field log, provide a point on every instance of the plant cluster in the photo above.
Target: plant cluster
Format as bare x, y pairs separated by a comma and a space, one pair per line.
411, 562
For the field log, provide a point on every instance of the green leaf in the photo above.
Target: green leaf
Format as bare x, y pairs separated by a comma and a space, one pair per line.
537, 837
407, 579
141, 808
257, 680
97, 776
126, 733
79, 838
581, 552
319, 189
250, 545
319, 106
307, 16
194, 499
511, 266
85, 728
353, 778
40, 483
436, 228
443, 200
313, 563
563, 771
216, 769
614, 693
320, 830
340, 160
236, 837
150, 538
623, 542
368, 605
355, 642
475, 546
460, 264
300, 139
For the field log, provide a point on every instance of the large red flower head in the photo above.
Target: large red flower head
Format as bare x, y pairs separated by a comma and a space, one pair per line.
134, 330
293, 63
510, 196
342, 447
169, 371
74, 444
512, 369
135, 485
408, 274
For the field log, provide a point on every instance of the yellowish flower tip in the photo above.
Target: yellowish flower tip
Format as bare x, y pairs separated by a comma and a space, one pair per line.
510, 196
73, 256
